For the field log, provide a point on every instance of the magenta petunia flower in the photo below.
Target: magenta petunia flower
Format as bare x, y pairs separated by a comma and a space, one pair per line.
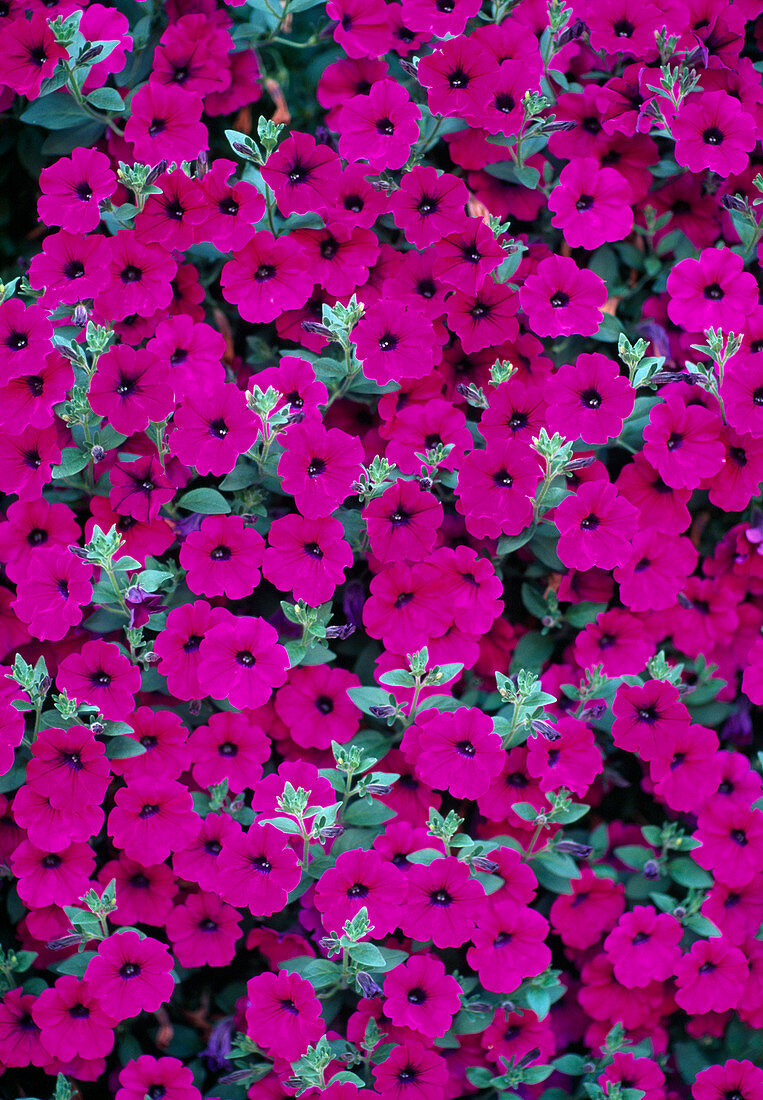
411, 1071
30, 53
596, 526
444, 903
69, 766
222, 558
379, 127
308, 557
643, 946
318, 468
228, 747
402, 522
561, 299
240, 658
298, 171
266, 277
590, 397
257, 870
204, 931
130, 388
405, 603
743, 1078
711, 977
428, 205
391, 343
509, 946
73, 188
713, 132
178, 646
703, 292
360, 880
571, 760
420, 995
131, 973
593, 908
591, 205
175, 216
101, 675
72, 1020
152, 815
314, 706
457, 751
283, 1015
164, 1077
139, 278
682, 442
25, 338
731, 836
19, 1035
165, 124
458, 77
50, 600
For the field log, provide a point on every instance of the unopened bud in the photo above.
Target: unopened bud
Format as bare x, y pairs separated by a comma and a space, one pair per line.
378, 788
316, 328
194, 707
408, 69
79, 317
545, 729
158, 170
735, 203
97, 453
46, 683
651, 869
340, 632
489, 866
569, 34
581, 463
97, 728
368, 987
480, 1006
382, 712
332, 831
679, 912
558, 127
572, 848
63, 942
90, 55
426, 483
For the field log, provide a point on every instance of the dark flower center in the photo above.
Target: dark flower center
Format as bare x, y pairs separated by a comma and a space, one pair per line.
358, 890
503, 939
591, 399
17, 341
51, 861
213, 847
262, 864
74, 269
585, 202
739, 837
314, 550
712, 136
714, 292
208, 925
100, 679
221, 553
623, 28
245, 658
399, 518
329, 249
227, 748
129, 970
441, 898
79, 1012
150, 809
316, 468
264, 272
158, 125
193, 643
387, 342
757, 396
324, 704
458, 79
417, 996
131, 274
427, 204
590, 523
228, 206
465, 748
559, 299
126, 386
591, 124
504, 102
218, 428
403, 599
385, 126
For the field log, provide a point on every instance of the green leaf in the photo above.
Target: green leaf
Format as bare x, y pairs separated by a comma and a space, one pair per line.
632, 855
687, 873
702, 926
115, 729
364, 813
207, 502
72, 461
283, 824
527, 176
75, 964
57, 111
366, 697
509, 543
106, 99
609, 330
321, 973
397, 677
531, 652
367, 955
574, 812
121, 748
571, 1064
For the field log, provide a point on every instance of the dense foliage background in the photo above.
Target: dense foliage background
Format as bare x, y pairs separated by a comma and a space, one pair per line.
382, 443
